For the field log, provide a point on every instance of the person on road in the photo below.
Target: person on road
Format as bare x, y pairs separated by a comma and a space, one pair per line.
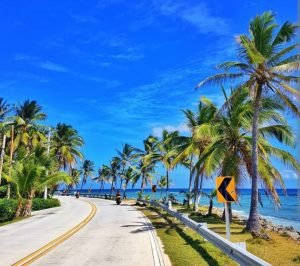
118, 197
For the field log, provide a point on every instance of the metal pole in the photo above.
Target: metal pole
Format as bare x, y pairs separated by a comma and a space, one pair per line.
10, 158
227, 219
2, 156
48, 152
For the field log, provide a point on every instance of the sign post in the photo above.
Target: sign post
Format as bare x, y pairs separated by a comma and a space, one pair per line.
226, 193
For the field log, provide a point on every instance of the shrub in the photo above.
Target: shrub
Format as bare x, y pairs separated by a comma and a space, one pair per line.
40, 204
8, 209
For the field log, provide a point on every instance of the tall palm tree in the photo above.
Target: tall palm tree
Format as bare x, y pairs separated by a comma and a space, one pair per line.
267, 67
126, 156
28, 131
163, 155
113, 171
75, 174
66, 144
229, 152
193, 147
145, 165
129, 175
103, 176
87, 170
4, 110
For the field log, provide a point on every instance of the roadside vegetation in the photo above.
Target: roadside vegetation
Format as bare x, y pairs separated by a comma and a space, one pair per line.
35, 159
194, 250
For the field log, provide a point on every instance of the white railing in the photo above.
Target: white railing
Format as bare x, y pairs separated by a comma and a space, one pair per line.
238, 254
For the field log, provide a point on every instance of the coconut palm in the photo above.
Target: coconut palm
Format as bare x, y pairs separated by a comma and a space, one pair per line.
114, 172
75, 174
267, 67
28, 132
126, 156
87, 170
66, 144
193, 147
129, 175
4, 109
211, 197
229, 152
103, 176
162, 183
146, 166
29, 176
163, 154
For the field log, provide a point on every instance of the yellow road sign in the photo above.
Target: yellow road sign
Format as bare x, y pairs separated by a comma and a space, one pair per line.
226, 189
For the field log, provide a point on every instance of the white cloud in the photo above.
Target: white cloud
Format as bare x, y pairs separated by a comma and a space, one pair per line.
289, 174
128, 56
52, 66
199, 15
182, 128
22, 57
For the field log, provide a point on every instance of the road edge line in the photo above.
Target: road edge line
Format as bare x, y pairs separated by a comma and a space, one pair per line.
55, 242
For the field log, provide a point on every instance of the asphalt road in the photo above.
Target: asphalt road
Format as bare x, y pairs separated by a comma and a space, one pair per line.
117, 235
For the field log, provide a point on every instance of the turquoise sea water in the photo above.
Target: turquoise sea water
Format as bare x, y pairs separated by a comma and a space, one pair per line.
288, 214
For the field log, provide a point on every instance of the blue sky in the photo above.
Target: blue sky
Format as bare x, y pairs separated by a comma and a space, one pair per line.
119, 70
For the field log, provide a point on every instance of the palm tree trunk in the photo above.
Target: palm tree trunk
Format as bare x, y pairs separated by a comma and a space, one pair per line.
81, 184
124, 192
167, 191
143, 181
196, 184
27, 207
101, 186
253, 224
210, 206
19, 208
190, 183
200, 189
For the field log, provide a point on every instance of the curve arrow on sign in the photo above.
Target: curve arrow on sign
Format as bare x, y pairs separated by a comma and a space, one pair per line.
223, 189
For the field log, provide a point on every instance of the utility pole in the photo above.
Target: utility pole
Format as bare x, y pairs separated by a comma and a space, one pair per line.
10, 159
48, 152
2, 156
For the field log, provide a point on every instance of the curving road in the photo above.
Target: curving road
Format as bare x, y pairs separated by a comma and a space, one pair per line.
117, 235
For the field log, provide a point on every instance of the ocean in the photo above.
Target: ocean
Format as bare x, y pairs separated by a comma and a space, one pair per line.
287, 215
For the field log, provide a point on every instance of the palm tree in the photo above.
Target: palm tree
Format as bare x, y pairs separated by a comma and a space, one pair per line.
192, 147
267, 67
87, 170
162, 183
126, 156
146, 166
66, 144
75, 174
129, 175
211, 197
103, 176
4, 109
27, 130
229, 152
163, 154
29, 176
113, 171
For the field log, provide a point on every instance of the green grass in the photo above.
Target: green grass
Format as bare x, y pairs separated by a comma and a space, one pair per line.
280, 250
184, 247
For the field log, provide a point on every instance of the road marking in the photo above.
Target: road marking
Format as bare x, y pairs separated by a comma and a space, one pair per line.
54, 243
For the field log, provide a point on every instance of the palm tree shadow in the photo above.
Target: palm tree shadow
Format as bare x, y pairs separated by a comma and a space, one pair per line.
194, 243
